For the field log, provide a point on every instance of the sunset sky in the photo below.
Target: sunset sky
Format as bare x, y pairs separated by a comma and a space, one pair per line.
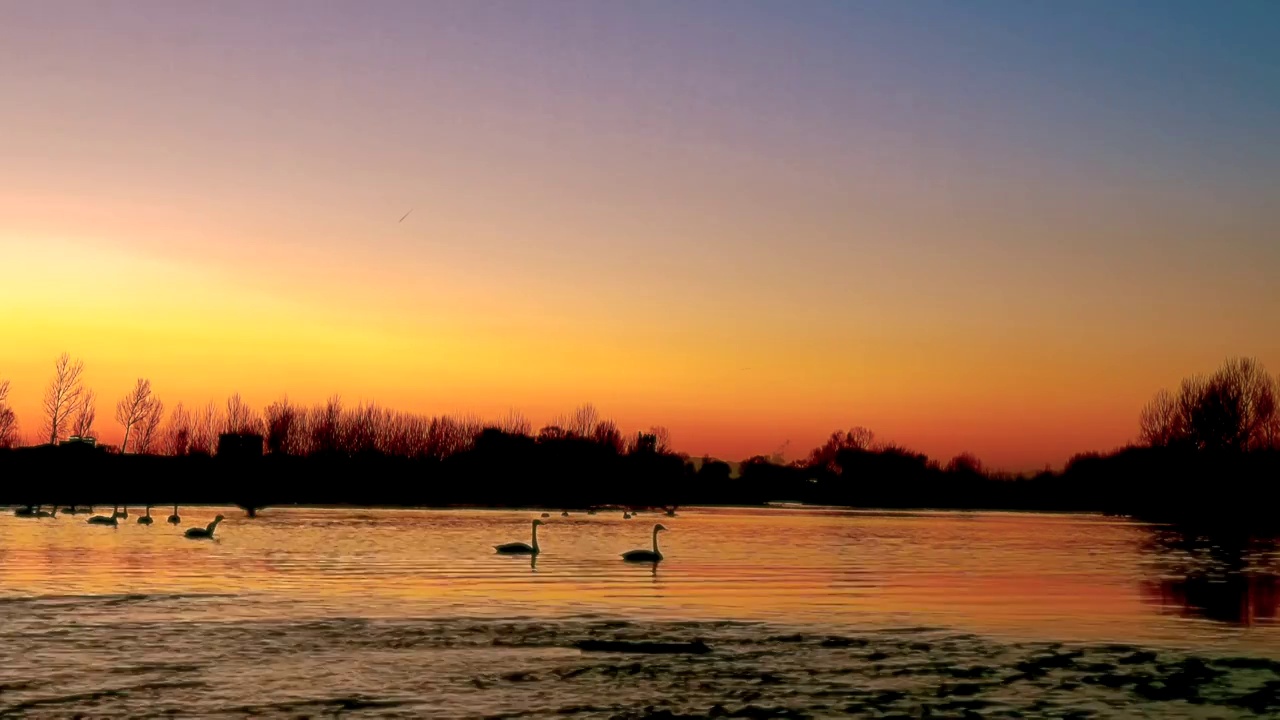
987, 226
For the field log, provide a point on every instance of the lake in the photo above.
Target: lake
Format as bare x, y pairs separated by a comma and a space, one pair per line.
809, 612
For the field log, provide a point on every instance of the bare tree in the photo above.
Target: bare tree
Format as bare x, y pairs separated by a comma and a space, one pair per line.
514, 423
856, 438
1271, 428
8, 419
965, 463
282, 423
1160, 423
325, 425
204, 429
82, 426
582, 423
132, 408
551, 433
1257, 393
661, 438
62, 397
149, 427
177, 435
607, 434
1235, 408
240, 418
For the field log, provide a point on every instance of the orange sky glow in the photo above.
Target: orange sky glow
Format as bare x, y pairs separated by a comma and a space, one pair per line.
968, 264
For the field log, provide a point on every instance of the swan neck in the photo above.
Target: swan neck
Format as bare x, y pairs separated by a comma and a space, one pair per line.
535, 538
655, 541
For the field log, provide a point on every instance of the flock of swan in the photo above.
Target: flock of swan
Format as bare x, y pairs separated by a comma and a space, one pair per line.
645, 556
206, 533
196, 533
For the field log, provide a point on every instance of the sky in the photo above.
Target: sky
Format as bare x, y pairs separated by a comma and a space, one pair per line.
995, 227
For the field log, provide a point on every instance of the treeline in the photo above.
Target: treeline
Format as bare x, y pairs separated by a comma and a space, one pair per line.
1208, 452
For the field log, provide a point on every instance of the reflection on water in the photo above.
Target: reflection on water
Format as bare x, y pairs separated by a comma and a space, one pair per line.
819, 612
1221, 577
1021, 576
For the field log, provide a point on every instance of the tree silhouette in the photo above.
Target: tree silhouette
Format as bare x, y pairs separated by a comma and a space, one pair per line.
148, 436
856, 438
132, 408
1234, 409
177, 434
82, 426
661, 438
8, 419
282, 421
966, 463
1160, 422
205, 427
240, 418
582, 423
63, 396
514, 423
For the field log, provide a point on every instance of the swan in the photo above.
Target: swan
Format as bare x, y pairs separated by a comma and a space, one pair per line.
28, 511
204, 533
649, 556
145, 519
125, 515
42, 514
175, 518
104, 520
519, 548
626, 516
546, 514
564, 514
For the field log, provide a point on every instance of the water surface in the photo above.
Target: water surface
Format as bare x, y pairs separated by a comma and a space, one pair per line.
310, 611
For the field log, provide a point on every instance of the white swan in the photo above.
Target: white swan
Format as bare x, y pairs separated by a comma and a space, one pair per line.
204, 533
175, 518
519, 548
649, 556
145, 519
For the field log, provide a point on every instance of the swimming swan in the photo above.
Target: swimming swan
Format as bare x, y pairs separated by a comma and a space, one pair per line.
104, 520
145, 519
42, 514
519, 548
649, 556
175, 518
27, 511
204, 533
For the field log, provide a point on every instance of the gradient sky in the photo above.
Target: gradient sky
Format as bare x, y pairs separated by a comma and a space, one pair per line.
986, 226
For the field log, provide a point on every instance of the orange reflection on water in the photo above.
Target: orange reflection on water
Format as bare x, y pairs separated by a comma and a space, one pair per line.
1016, 575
